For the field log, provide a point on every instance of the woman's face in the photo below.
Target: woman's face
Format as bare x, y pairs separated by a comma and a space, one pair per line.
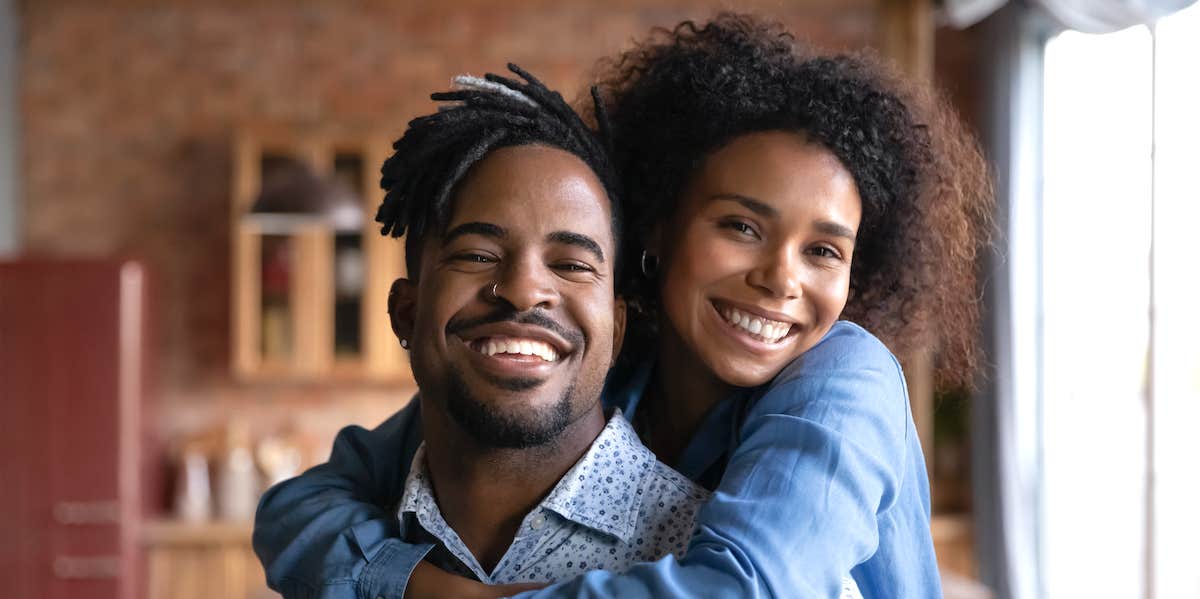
755, 263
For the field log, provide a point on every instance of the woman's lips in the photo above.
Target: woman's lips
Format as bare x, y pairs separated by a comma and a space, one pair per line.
753, 325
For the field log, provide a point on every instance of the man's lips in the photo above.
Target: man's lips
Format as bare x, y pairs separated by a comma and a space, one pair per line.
516, 338
514, 346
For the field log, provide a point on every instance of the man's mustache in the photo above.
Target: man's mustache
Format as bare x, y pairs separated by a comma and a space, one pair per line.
536, 317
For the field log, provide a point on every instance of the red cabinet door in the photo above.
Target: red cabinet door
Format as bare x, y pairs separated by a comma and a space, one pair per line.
71, 338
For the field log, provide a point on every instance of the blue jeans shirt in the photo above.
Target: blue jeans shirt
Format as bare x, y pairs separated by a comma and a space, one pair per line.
817, 473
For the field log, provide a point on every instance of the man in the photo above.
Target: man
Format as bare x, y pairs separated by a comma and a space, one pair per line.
511, 322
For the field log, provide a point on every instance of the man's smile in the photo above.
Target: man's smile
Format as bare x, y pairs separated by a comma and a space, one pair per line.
514, 350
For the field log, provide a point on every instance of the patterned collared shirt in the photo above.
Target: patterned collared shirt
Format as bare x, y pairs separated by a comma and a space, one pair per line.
616, 507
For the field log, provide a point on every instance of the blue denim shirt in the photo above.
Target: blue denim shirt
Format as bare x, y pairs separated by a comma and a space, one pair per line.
820, 472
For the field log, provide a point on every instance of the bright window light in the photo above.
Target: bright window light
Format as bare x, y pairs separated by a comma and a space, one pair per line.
1097, 191
1176, 364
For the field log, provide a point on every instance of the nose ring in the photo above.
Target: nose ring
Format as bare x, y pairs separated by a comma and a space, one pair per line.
494, 290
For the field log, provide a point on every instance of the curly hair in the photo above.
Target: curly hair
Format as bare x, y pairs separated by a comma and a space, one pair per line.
482, 115
682, 94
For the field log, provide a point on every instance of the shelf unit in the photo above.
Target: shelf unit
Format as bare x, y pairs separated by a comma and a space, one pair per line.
289, 320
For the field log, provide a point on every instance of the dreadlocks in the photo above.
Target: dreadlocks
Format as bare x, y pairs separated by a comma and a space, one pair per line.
484, 114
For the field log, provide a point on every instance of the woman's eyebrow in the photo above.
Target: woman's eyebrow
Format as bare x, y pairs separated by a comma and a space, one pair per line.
829, 227
756, 206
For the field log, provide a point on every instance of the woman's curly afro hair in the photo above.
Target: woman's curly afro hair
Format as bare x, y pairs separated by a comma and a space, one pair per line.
680, 95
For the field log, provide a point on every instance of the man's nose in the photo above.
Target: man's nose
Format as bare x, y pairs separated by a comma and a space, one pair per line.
525, 284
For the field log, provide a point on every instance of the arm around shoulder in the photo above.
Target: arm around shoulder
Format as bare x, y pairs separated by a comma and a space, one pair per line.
328, 533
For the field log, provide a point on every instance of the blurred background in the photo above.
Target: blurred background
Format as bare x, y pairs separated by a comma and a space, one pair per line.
192, 302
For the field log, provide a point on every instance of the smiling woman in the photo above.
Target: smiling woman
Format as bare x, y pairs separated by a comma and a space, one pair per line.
772, 192
756, 262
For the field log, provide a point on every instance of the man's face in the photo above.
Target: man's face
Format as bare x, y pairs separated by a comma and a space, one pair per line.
515, 367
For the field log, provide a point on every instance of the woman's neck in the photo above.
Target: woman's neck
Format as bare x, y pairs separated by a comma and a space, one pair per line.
683, 392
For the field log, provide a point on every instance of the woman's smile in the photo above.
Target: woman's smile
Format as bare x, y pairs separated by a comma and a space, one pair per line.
757, 259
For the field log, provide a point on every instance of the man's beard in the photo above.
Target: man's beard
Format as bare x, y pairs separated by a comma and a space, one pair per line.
498, 429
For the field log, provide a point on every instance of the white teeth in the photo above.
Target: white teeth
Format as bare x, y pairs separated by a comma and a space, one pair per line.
767, 330
525, 347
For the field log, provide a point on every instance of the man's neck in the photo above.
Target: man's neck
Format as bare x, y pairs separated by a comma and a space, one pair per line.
484, 492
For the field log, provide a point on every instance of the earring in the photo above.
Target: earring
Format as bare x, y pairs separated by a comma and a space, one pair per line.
404, 343
649, 264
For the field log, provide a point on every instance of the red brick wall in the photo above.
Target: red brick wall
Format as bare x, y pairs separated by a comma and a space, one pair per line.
127, 110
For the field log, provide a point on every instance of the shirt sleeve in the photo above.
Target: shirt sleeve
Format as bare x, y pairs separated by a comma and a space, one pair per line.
330, 532
820, 457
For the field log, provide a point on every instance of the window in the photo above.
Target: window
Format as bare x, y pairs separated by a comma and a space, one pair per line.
1120, 311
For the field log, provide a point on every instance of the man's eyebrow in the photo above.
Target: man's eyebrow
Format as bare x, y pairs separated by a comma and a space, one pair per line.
578, 240
474, 228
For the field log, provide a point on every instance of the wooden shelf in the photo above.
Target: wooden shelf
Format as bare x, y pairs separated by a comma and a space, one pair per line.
304, 329
161, 533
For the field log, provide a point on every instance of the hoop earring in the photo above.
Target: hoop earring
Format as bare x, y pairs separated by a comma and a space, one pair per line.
649, 264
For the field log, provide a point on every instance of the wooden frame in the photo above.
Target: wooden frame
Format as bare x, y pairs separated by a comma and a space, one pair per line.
311, 293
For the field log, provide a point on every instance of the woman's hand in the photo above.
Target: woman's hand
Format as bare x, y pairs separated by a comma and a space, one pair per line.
430, 582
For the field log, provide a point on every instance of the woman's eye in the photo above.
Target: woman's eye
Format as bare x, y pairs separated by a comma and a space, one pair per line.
824, 252
743, 228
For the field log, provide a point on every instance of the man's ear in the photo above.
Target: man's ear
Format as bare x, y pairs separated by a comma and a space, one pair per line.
402, 305
619, 313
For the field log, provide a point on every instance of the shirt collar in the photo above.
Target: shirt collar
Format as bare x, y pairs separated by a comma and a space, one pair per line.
602, 491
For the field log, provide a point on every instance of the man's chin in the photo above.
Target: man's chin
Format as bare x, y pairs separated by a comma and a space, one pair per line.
512, 413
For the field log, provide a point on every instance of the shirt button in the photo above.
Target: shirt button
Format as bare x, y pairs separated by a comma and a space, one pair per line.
537, 522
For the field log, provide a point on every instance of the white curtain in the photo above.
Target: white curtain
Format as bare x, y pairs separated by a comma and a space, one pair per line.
1088, 16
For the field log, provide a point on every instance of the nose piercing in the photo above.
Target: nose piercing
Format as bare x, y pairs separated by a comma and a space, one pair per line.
495, 291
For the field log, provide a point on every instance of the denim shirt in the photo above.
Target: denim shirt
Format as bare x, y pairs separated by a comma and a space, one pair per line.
820, 472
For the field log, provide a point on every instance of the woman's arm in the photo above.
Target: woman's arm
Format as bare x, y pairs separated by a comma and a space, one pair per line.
328, 533
822, 472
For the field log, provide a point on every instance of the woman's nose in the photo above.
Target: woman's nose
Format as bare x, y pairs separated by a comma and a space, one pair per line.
780, 274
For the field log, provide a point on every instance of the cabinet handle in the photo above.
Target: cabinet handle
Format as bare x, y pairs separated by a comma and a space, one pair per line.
87, 512
106, 566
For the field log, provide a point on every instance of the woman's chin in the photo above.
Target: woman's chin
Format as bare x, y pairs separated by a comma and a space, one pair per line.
732, 372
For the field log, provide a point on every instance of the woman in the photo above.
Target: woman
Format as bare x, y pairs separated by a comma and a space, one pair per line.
773, 193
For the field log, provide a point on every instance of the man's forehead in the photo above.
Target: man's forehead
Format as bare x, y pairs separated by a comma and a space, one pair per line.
533, 190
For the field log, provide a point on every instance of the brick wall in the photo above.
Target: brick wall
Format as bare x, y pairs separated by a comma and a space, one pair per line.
128, 107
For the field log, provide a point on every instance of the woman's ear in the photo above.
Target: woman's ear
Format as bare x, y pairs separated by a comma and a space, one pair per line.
401, 305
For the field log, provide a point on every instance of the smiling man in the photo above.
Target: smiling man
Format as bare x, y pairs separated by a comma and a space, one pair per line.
511, 322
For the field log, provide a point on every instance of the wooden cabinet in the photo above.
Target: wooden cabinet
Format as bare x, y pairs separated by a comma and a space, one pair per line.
79, 471
309, 300
202, 561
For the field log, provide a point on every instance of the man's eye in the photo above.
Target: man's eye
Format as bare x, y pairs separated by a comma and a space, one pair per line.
475, 258
574, 267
